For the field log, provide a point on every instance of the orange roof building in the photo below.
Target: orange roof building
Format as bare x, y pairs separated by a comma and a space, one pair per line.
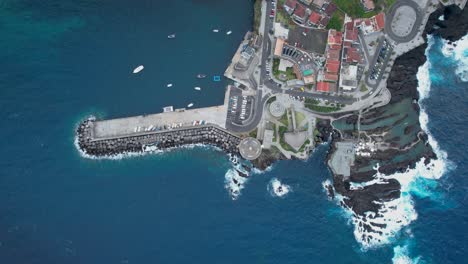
323, 87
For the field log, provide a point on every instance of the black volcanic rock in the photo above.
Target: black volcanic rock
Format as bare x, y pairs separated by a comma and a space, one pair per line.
402, 84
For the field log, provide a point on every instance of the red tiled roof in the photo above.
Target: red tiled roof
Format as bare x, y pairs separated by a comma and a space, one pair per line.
291, 4
334, 37
331, 77
352, 55
334, 47
332, 66
351, 35
333, 54
349, 26
323, 87
380, 19
300, 11
314, 17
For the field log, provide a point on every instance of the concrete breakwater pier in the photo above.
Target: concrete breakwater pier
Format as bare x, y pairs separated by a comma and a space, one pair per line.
173, 128
208, 134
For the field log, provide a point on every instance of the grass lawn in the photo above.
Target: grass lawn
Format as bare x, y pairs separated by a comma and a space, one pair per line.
363, 88
299, 118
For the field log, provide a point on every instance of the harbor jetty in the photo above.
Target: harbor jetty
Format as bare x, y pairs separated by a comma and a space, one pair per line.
208, 134
146, 133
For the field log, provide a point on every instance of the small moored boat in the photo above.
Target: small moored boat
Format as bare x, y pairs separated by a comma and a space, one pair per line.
197, 88
169, 85
190, 105
201, 76
138, 69
229, 32
215, 30
171, 36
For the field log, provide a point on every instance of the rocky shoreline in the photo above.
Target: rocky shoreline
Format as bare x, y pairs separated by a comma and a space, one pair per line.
400, 155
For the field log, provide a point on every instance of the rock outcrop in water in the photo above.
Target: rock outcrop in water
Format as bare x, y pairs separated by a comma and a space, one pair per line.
394, 128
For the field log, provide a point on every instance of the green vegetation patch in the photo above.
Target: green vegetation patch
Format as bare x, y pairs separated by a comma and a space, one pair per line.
285, 119
354, 8
257, 14
322, 109
290, 75
336, 21
253, 133
307, 142
311, 101
282, 16
284, 145
299, 118
271, 100
274, 132
363, 88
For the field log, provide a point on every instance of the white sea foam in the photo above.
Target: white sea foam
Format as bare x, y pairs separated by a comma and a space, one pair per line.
401, 255
234, 183
396, 214
130, 154
278, 189
458, 51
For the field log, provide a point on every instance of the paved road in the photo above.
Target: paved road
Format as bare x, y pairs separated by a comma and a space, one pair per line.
391, 15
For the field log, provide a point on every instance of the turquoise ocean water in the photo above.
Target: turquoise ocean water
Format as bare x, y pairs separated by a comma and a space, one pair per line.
64, 60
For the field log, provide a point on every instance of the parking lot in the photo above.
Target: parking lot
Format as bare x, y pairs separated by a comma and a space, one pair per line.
312, 40
239, 107
382, 59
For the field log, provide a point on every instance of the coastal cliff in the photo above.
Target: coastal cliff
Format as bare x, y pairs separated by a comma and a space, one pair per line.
393, 133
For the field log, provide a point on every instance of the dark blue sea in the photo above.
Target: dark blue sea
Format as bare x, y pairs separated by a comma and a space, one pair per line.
62, 61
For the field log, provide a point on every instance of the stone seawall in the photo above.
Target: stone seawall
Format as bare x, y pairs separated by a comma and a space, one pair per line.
158, 140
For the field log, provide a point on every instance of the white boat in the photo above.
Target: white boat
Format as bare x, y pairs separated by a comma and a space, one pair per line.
169, 85
215, 30
171, 36
197, 88
229, 32
190, 105
138, 69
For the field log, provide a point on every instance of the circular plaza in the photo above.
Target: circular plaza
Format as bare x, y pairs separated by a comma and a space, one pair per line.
250, 148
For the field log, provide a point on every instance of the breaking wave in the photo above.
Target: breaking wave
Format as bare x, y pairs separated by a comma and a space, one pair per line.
278, 189
375, 230
458, 51
235, 179
401, 255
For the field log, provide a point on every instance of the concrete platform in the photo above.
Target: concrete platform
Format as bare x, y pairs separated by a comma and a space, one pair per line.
126, 126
